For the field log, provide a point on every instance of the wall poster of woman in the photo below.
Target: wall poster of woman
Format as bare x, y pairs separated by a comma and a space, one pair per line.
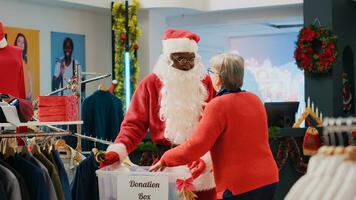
28, 41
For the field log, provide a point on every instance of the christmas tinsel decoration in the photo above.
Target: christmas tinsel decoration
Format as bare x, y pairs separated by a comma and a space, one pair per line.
118, 12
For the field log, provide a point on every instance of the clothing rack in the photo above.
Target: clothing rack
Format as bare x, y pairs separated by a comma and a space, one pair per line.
79, 83
334, 125
339, 131
107, 142
58, 132
38, 134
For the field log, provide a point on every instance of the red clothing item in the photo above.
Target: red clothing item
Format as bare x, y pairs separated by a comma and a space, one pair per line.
143, 114
11, 72
234, 129
57, 108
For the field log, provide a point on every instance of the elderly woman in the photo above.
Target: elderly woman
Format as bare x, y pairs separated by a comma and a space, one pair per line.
234, 129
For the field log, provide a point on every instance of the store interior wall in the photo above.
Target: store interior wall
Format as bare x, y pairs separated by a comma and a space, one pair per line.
93, 23
337, 16
214, 28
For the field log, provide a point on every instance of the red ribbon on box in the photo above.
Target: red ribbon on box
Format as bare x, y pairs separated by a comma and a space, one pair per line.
186, 184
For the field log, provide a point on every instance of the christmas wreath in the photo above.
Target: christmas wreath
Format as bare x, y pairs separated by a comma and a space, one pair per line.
316, 49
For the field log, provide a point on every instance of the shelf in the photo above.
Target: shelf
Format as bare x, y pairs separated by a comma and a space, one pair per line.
38, 123
5, 125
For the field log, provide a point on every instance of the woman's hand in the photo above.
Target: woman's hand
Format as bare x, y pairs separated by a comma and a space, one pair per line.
197, 168
157, 167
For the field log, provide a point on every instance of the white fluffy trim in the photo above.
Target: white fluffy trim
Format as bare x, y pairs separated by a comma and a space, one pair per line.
207, 160
3, 43
175, 45
204, 182
119, 149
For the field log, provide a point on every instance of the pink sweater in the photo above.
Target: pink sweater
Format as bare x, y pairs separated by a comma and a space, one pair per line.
234, 129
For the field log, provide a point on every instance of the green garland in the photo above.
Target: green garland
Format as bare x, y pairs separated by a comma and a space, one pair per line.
118, 12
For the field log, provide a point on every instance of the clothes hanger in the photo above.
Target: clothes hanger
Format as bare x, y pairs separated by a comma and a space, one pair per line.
62, 146
350, 153
36, 149
102, 87
339, 151
99, 156
330, 151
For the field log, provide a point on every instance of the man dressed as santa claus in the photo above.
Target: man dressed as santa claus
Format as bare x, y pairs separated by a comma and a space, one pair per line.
169, 103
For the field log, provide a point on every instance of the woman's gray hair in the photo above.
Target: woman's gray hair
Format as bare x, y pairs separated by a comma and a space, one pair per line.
230, 68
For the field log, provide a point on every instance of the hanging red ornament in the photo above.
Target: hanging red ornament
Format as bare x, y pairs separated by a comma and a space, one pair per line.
123, 37
136, 47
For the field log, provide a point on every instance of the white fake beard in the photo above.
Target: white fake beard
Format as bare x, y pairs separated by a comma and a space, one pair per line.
181, 98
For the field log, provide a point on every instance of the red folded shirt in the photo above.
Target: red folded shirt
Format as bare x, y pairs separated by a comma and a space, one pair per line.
57, 108
48, 101
54, 118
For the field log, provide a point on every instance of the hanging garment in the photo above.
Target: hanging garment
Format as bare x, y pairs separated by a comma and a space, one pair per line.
347, 189
70, 164
302, 183
3, 195
12, 186
51, 190
327, 178
62, 175
85, 184
338, 139
102, 115
12, 73
23, 187
33, 175
331, 175
340, 176
314, 181
52, 172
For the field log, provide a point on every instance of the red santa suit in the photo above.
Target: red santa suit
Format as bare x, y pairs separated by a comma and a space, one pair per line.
169, 104
11, 69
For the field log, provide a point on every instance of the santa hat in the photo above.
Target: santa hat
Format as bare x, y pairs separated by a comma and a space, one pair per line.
179, 41
3, 42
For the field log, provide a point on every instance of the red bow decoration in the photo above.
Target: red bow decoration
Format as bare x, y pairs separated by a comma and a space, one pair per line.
185, 184
185, 188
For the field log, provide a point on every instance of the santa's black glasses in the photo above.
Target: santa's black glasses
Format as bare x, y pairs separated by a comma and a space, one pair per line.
183, 61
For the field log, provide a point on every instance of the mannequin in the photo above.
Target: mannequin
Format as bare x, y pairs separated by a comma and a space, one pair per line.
11, 68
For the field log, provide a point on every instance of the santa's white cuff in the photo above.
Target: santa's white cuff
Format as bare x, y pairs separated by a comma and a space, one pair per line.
119, 149
3, 43
207, 159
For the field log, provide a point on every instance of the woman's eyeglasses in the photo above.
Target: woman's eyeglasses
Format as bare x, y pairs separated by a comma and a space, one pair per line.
211, 72
183, 61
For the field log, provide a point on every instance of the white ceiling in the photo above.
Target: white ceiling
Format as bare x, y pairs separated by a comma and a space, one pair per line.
239, 23
200, 5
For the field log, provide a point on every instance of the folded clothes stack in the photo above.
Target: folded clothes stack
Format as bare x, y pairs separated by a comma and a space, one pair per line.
57, 108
